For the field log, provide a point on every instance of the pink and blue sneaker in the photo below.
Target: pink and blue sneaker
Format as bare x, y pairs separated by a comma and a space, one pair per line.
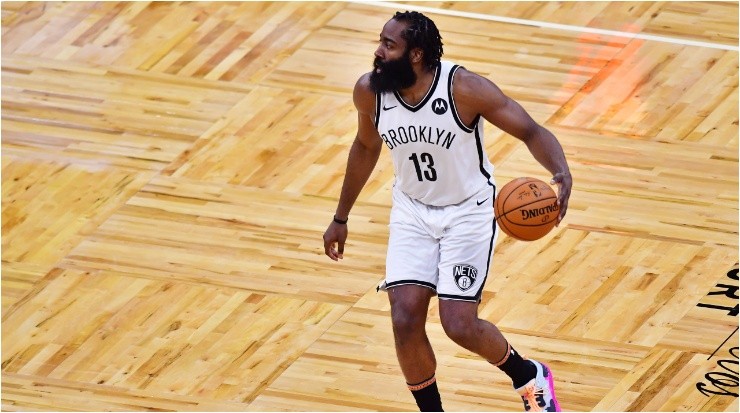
539, 394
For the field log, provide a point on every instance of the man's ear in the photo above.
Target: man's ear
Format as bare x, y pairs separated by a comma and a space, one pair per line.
416, 55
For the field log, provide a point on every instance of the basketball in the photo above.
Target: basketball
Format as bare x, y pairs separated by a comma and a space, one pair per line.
526, 209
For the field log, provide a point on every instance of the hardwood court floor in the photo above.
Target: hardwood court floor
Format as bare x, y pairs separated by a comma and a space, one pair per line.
168, 170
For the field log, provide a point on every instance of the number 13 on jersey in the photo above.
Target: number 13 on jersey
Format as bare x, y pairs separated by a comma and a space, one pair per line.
426, 162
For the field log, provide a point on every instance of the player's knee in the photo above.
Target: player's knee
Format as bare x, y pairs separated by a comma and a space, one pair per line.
407, 321
408, 309
459, 329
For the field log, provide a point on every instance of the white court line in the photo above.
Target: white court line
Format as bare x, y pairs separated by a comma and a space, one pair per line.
568, 27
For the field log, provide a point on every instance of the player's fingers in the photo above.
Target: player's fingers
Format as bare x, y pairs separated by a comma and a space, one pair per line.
341, 249
557, 180
329, 249
563, 204
563, 209
563, 194
333, 253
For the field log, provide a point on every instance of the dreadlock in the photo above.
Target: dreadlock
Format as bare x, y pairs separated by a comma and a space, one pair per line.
422, 33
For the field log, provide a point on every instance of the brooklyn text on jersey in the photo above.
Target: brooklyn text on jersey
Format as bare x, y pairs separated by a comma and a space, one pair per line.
427, 134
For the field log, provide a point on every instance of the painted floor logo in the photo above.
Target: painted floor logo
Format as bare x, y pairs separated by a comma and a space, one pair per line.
729, 292
724, 380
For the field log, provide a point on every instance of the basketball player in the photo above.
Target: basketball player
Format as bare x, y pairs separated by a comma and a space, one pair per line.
430, 114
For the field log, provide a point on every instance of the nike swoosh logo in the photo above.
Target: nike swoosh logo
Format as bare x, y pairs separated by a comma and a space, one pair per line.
385, 108
481, 202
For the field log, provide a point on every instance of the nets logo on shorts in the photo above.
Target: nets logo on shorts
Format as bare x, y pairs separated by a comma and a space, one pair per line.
465, 275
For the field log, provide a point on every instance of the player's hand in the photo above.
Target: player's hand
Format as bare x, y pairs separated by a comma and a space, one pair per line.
565, 182
335, 234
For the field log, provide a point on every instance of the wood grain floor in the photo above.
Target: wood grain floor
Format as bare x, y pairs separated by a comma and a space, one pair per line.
168, 170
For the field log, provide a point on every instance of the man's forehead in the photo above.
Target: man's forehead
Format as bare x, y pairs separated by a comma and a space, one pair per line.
392, 30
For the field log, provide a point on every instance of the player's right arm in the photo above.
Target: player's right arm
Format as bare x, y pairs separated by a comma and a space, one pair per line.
363, 156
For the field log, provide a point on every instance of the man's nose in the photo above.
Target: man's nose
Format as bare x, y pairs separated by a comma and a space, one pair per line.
378, 53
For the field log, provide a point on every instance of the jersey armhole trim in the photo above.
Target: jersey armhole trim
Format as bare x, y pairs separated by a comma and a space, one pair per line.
481, 152
377, 110
453, 108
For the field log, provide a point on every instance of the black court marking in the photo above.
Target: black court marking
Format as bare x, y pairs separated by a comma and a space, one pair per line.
723, 343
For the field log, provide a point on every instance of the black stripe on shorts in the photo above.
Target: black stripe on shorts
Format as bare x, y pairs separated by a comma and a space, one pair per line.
414, 282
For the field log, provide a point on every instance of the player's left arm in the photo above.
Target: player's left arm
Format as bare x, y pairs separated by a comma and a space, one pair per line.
477, 94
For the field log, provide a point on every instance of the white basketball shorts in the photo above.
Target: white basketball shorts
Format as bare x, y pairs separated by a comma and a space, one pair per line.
447, 249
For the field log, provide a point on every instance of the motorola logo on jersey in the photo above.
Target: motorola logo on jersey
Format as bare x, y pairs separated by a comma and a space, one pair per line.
439, 106
465, 275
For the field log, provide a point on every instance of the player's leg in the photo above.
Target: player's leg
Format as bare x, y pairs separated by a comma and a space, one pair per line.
531, 379
461, 324
411, 279
409, 306
465, 257
466, 249
409, 296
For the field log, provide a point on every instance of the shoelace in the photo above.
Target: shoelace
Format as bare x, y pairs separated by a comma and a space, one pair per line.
530, 397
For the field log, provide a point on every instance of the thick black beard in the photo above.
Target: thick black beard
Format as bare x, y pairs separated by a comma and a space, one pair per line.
395, 74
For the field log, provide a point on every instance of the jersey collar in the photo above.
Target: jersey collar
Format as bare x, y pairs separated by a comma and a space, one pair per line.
429, 94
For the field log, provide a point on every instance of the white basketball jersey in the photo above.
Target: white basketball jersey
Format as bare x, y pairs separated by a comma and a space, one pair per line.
438, 160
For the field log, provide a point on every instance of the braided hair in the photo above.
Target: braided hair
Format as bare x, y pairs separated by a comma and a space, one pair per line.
422, 33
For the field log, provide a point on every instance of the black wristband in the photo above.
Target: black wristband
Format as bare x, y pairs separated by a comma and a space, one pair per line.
339, 221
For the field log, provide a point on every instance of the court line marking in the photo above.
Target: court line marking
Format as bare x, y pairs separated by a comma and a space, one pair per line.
548, 25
